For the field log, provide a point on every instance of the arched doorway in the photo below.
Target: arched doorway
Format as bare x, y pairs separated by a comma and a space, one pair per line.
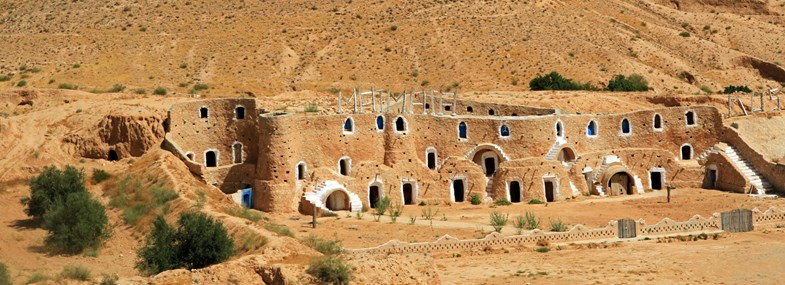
400, 124
458, 190
408, 193
373, 195
566, 154
113, 155
237, 152
686, 152
210, 158
515, 192
488, 159
337, 201
239, 112
620, 183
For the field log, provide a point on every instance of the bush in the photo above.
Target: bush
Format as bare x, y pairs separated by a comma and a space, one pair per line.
554, 81
160, 91
51, 187
734, 125
382, 205
200, 86
532, 222
162, 195
21, 83
543, 249
503, 203
99, 175
684, 34
68, 86
241, 212
535, 202
76, 224
117, 88
198, 242
311, 108
475, 199
5, 78
140, 91
5, 278
324, 246
733, 89
395, 212
330, 270
76, 272
558, 226
37, 277
633, 82
132, 214
498, 221
249, 242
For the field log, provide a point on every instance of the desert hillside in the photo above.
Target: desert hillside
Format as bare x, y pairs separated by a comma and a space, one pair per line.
264, 48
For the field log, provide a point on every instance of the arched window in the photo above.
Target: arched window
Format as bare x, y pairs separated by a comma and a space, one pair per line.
237, 152
400, 124
345, 166
686, 152
504, 131
203, 112
300, 171
591, 129
430, 158
239, 112
690, 118
469, 109
462, 130
657, 124
625, 127
491, 112
559, 129
348, 125
380, 122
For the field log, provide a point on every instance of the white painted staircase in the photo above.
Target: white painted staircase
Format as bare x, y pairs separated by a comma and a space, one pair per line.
762, 186
554, 151
324, 189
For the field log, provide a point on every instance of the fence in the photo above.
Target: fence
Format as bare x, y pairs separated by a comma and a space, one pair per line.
624, 228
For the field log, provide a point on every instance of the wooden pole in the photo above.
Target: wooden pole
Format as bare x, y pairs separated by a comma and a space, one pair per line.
315, 211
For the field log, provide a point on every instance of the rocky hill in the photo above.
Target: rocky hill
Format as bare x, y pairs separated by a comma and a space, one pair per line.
266, 47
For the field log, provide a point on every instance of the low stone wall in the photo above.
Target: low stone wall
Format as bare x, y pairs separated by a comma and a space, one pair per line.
576, 233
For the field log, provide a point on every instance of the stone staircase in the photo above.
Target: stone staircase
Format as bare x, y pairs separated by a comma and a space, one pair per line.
712, 150
327, 187
489, 188
554, 151
761, 185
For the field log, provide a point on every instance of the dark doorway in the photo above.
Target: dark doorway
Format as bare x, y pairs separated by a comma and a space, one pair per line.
515, 192
210, 159
549, 188
690, 118
400, 124
113, 155
203, 112
408, 194
373, 196
504, 131
301, 171
343, 166
711, 177
686, 152
656, 180
620, 184
240, 112
490, 165
431, 160
458, 189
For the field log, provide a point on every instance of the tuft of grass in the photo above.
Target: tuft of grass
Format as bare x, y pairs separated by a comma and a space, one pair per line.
429, 213
117, 88
5, 78
21, 83
140, 91
200, 86
162, 195
503, 202
328, 247
76, 272
245, 213
684, 34
705, 89
558, 226
311, 108
160, 91
76, 65
279, 229
532, 222
734, 125
543, 249
475, 199
132, 214
5, 278
393, 28
108, 279
99, 175
250, 242
498, 221
67, 86
535, 201
37, 277
330, 270
395, 212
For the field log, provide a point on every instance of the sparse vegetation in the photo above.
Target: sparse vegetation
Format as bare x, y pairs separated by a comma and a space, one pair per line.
140, 91
429, 213
382, 205
535, 201
503, 202
200, 87
21, 83
475, 199
322, 245
633, 82
5, 278
706, 89
160, 91
279, 229
117, 88
733, 89
5, 78
330, 270
734, 125
684, 34
108, 279
99, 175
531, 221
393, 28
242, 212
76, 272
543, 249
558, 226
250, 242
37, 277
67, 86
311, 108
498, 220
395, 212
555, 81
137, 200
198, 241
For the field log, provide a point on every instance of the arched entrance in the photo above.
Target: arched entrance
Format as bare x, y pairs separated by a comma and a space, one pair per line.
566, 154
458, 190
337, 201
488, 156
515, 192
620, 183
407, 190
373, 195
113, 155
210, 159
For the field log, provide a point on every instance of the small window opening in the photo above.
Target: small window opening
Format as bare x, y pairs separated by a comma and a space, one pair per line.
462, 130
504, 131
239, 112
203, 112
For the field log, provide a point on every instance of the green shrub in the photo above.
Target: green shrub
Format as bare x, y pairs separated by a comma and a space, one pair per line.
382, 204
99, 175
733, 89
5, 278
5, 78
330, 270
131, 215
554, 81
558, 226
68, 86
76, 272
633, 82
183, 65
324, 246
108, 279
734, 125
498, 221
198, 242
162, 195
76, 65
475, 199
160, 91
532, 222
684, 34
76, 224
503, 202
429, 213
393, 28
543, 249
535, 201
279, 229
200, 86
117, 88
250, 242
21, 83
395, 212
50, 187
140, 91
